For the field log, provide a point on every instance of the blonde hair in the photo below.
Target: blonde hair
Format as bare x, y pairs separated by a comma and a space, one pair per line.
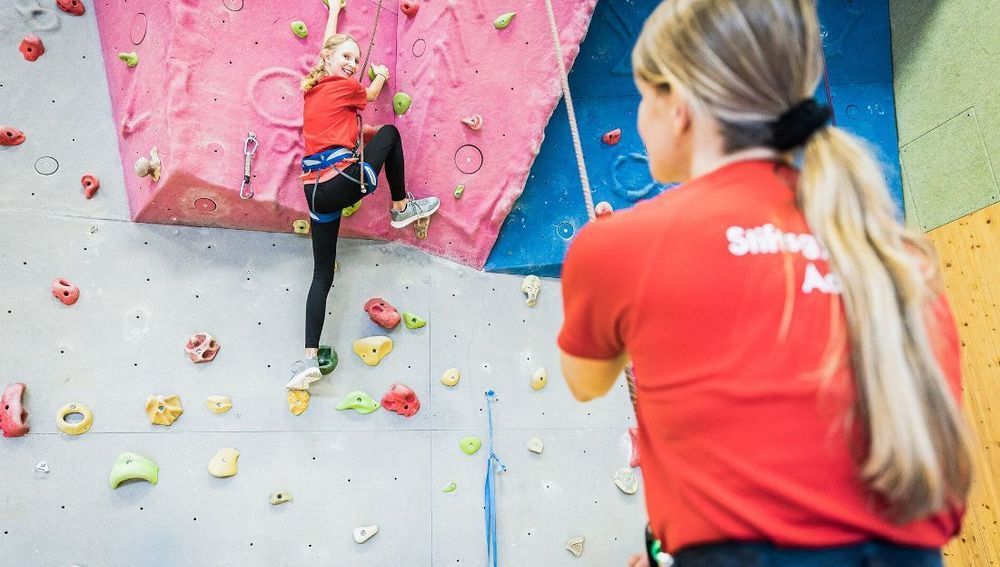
746, 63
318, 70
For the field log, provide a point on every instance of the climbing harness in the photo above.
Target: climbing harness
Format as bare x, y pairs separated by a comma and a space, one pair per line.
249, 149
493, 466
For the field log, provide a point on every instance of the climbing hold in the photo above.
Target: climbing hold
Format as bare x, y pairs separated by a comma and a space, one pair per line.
131, 59
409, 7
218, 404
382, 313
450, 487
633, 435
79, 427
402, 400
474, 122
373, 349
613, 137
298, 401
32, 47
351, 210
413, 321
42, 467
575, 546
626, 480
451, 377
280, 498
401, 103
11, 136
535, 445
299, 29
540, 379
470, 445
64, 291
223, 464
149, 166
421, 226
531, 287
364, 534
130, 466
459, 191
327, 359
71, 7
202, 347
90, 185
163, 410
358, 401
300, 226
504, 20
13, 414
603, 209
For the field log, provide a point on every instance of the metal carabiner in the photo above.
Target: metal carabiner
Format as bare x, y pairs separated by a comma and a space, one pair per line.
249, 149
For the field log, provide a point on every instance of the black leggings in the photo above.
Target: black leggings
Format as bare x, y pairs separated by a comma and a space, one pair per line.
335, 194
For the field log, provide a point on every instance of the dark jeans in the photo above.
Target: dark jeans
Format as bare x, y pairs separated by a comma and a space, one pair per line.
385, 149
868, 554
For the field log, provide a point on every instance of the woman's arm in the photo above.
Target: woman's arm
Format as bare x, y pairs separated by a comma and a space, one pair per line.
331, 22
590, 378
381, 75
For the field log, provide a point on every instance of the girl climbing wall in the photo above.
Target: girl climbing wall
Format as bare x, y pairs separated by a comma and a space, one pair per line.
334, 177
798, 360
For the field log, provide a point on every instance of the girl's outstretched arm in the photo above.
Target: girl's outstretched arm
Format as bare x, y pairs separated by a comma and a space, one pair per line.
381, 75
331, 23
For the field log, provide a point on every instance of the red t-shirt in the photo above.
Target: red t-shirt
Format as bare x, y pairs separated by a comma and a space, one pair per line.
729, 335
329, 113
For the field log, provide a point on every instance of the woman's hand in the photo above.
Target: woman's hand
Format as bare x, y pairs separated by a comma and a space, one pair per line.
638, 560
381, 70
336, 5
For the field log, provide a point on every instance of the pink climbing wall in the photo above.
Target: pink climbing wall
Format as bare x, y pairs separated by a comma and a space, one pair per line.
210, 71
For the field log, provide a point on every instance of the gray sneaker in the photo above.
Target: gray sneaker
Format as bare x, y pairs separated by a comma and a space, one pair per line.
304, 373
415, 210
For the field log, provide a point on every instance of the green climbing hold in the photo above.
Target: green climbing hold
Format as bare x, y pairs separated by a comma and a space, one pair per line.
413, 321
503, 21
459, 191
371, 72
299, 28
401, 103
451, 487
470, 445
327, 358
358, 401
131, 58
351, 210
130, 466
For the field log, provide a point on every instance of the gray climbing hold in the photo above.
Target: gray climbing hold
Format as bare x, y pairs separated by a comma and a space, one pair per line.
280, 498
535, 445
575, 546
626, 481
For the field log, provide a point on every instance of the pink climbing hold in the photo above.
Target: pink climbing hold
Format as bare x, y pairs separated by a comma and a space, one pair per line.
409, 7
90, 185
475, 122
382, 313
202, 347
633, 435
603, 209
32, 47
11, 136
402, 400
612, 137
13, 415
64, 291
71, 7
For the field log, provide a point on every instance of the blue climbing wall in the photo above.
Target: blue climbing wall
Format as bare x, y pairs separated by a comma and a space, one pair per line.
538, 230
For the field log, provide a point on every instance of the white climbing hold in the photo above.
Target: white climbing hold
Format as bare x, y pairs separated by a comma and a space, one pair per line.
626, 481
540, 379
280, 498
575, 546
451, 377
150, 166
365, 533
42, 467
531, 287
535, 445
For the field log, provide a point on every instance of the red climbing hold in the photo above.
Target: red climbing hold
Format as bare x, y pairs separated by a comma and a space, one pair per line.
633, 435
13, 416
90, 185
603, 209
402, 400
65, 291
72, 7
11, 136
612, 137
382, 313
31, 47
202, 347
409, 7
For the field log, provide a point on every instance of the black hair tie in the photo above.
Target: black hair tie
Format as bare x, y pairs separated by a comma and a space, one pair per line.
797, 124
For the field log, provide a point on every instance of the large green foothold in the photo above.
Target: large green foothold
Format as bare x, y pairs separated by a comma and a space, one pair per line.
359, 402
327, 359
130, 466
470, 445
299, 29
504, 20
401, 103
450, 487
131, 59
351, 210
413, 321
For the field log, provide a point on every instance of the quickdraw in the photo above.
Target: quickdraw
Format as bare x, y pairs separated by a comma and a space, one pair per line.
249, 149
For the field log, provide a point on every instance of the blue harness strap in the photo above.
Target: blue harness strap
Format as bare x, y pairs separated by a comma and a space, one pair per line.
325, 160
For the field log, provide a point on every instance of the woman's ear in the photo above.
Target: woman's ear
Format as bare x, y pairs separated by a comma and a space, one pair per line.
680, 111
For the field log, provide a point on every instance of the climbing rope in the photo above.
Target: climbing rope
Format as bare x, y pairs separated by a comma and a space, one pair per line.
493, 465
249, 149
361, 124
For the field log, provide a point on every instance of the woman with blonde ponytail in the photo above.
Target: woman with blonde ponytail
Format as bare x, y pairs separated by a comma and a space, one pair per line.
798, 401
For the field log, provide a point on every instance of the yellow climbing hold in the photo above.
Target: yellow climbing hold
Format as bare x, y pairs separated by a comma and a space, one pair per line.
451, 377
301, 226
373, 349
540, 379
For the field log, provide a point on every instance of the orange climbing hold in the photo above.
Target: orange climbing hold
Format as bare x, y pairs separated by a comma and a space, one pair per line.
11, 136
613, 137
382, 313
90, 185
64, 291
71, 7
32, 47
409, 7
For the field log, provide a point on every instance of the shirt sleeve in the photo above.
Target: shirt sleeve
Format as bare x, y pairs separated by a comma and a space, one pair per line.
595, 295
358, 96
